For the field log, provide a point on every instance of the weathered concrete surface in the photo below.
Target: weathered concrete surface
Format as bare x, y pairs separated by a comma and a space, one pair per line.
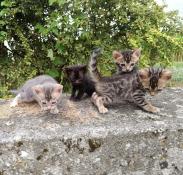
79, 141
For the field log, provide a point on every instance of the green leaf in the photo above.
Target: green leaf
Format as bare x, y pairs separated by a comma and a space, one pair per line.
61, 2
2, 23
2, 35
5, 12
60, 47
7, 3
42, 29
58, 61
52, 72
51, 2
50, 54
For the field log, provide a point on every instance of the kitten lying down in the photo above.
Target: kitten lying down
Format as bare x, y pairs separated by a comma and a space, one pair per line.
130, 86
43, 89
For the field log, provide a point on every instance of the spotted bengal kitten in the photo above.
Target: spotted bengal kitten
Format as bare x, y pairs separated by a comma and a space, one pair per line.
130, 86
126, 61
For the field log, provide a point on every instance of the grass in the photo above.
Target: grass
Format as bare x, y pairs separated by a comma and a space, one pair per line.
177, 74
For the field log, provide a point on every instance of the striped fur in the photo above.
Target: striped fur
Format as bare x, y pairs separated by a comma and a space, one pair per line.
119, 87
94, 73
126, 61
154, 79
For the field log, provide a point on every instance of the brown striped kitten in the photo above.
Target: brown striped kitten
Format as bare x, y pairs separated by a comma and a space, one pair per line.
154, 79
129, 86
126, 60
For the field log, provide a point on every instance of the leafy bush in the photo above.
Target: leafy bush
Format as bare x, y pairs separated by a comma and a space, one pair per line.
44, 36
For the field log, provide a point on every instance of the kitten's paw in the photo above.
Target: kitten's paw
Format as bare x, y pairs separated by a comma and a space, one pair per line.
152, 109
94, 98
103, 110
156, 110
54, 111
94, 94
13, 104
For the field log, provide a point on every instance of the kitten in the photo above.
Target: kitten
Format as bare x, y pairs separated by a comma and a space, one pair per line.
154, 79
126, 61
80, 81
43, 89
128, 86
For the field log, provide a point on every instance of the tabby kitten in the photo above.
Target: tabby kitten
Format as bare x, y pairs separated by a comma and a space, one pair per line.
130, 86
81, 82
126, 60
43, 89
154, 79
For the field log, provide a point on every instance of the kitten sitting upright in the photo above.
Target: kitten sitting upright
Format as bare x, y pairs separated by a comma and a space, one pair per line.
126, 61
129, 86
80, 81
43, 89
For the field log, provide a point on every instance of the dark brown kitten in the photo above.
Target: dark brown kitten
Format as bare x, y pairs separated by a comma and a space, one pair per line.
126, 60
129, 86
81, 82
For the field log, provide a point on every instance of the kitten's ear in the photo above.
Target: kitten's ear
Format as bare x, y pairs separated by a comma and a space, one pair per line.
57, 91
166, 74
37, 89
84, 68
136, 54
67, 70
117, 55
58, 88
143, 73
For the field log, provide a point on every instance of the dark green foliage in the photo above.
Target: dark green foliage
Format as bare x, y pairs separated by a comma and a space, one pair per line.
44, 36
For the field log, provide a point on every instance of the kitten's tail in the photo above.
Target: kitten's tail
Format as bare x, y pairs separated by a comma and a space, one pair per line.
93, 71
14, 91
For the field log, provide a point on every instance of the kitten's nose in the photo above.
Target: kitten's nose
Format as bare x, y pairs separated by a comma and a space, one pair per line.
49, 107
152, 93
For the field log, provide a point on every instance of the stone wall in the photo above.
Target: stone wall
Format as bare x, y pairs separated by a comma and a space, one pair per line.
80, 141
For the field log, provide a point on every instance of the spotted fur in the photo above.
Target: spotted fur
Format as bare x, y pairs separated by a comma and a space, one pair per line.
118, 87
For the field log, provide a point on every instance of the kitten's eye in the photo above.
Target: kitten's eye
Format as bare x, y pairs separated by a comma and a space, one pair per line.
43, 102
53, 102
122, 65
132, 64
159, 90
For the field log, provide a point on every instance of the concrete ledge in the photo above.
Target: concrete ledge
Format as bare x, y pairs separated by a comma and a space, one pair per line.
79, 141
